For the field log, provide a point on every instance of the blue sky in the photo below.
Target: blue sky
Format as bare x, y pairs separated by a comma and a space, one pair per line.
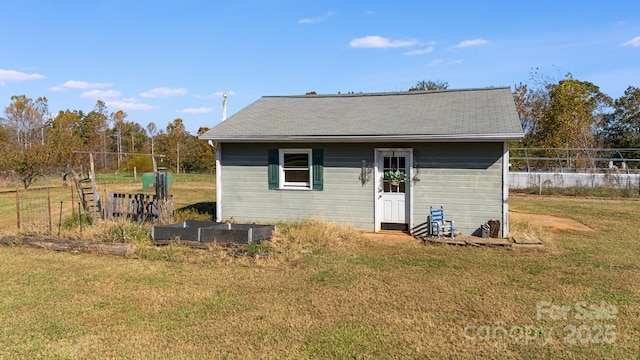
162, 60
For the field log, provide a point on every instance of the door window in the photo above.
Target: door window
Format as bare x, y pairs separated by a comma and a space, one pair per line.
394, 164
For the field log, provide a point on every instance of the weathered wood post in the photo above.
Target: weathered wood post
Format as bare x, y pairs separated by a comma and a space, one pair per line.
80, 218
49, 208
18, 208
60, 220
73, 209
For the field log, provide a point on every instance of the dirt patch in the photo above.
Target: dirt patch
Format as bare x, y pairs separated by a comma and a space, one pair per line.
552, 222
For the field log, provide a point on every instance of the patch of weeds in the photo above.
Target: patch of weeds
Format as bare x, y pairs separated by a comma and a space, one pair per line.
127, 233
578, 191
472, 290
619, 296
423, 262
167, 253
335, 277
22, 350
571, 280
196, 312
311, 234
341, 342
61, 329
38, 277
536, 269
374, 262
257, 248
73, 221
385, 261
583, 191
603, 192
515, 279
190, 214
579, 250
628, 192
321, 276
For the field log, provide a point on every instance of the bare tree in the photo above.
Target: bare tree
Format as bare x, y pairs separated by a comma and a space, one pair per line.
27, 118
424, 85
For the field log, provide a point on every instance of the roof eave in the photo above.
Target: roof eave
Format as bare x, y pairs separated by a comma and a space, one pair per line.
369, 138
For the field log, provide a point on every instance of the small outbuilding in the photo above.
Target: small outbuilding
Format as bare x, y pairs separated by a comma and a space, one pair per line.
372, 161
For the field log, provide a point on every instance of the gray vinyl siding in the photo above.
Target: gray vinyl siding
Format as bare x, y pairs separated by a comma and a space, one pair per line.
465, 177
246, 197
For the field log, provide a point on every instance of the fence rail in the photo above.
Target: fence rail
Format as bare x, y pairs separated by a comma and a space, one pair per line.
562, 160
528, 180
138, 207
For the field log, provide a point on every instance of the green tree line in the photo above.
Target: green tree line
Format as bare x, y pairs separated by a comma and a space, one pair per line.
568, 113
34, 143
554, 113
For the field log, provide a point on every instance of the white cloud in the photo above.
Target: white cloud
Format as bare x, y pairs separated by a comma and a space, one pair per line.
200, 110
474, 42
74, 84
437, 62
216, 95
316, 19
128, 105
100, 94
162, 92
380, 42
420, 51
12, 75
633, 42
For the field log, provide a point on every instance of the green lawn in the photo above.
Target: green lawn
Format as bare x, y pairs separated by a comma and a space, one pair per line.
353, 296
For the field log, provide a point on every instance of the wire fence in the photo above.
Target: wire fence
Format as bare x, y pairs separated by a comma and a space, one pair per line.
33, 211
576, 160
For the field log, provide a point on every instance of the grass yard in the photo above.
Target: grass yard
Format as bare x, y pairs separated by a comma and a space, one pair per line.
352, 296
189, 190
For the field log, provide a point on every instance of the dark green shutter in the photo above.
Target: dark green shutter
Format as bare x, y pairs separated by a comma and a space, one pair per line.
318, 164
273, 169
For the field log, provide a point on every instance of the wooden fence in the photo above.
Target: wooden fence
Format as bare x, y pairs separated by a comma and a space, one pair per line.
139, 207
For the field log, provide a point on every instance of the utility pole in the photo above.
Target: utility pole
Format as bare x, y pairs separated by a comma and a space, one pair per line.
104, 149
119, 147
178, 157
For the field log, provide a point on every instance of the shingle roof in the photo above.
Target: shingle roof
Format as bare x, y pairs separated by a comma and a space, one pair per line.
468, 114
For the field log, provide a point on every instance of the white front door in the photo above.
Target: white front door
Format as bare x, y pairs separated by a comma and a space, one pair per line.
393, 198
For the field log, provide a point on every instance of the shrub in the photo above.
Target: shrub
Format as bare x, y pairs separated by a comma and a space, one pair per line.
73, 221
127, 233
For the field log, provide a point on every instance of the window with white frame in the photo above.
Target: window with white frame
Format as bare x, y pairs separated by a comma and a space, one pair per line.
295, 169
